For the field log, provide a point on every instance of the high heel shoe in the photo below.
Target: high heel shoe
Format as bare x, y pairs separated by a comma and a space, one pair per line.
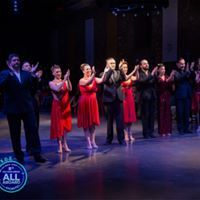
95, 146
59, 147
89, 147
60, 150
66, 148
126, 138
131, 138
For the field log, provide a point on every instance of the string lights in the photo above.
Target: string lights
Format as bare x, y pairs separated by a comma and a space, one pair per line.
16, 6
144, 9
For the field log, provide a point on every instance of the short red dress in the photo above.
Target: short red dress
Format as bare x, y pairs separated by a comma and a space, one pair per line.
128, 102
61, 120
88, 111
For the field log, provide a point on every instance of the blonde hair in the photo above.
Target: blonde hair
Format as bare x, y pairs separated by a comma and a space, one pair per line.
83, 66
159, 65
124, 62
55, 66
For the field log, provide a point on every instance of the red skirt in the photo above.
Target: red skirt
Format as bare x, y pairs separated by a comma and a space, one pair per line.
61, 120
129, 106
88, 111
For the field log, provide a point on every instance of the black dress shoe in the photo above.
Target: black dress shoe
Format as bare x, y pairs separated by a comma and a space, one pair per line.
29, 153
39, 158
181, 132
188, 131
152, 136
145, 137
107, 143
122, 142
20, 159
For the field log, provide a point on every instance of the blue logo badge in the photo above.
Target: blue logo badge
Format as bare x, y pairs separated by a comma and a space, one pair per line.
13, 175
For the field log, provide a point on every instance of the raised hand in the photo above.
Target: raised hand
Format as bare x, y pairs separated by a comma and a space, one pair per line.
192, 66
93, 70
154, 71
136, 68
106, 69
10, 67
39, 74
121, 63
67, 75
187, 66
172, 73
34, 67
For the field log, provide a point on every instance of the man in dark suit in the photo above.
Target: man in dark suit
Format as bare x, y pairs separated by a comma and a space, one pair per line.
18, 106
183, 93
113, 101
146, 86
35, 92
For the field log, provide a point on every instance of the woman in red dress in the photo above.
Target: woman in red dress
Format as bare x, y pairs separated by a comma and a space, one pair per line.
61, 120
196, 92
88, 112
129, 100
164, 89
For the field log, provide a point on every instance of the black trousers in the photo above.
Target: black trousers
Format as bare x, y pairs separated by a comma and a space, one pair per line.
183, 107
37, 116
148, 115
30, 127
114, 110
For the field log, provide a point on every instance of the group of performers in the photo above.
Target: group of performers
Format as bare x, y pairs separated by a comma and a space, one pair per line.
118, 97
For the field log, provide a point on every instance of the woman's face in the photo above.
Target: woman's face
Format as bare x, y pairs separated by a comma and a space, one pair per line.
198, 64
124, 68
87, 71
57, 73
161, 70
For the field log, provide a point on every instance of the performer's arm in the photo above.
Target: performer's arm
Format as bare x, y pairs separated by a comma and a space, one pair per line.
88, 81
103, 76
4, 77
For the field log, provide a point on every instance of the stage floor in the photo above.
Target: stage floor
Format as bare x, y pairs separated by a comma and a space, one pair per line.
160, 168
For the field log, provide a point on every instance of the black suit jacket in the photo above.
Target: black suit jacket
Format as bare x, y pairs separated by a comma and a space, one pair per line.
112, 86
146, 86
183, 86
17, 96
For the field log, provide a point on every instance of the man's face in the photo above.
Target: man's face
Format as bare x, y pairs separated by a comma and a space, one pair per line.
26, 66
144, 65
14, 62
111, 63
181, 64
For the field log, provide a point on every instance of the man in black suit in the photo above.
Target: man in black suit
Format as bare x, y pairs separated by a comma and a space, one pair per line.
183, 92
18, 106
146, 86
113, 101
35, 92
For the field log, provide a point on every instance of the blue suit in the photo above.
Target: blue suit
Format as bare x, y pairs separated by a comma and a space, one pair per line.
183, 93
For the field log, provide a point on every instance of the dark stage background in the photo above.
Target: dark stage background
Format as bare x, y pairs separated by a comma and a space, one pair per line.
53, 31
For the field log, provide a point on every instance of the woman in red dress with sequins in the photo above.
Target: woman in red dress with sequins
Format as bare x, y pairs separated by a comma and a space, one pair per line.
164, 89
196, 92
88, 112
129, 100
61, 120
